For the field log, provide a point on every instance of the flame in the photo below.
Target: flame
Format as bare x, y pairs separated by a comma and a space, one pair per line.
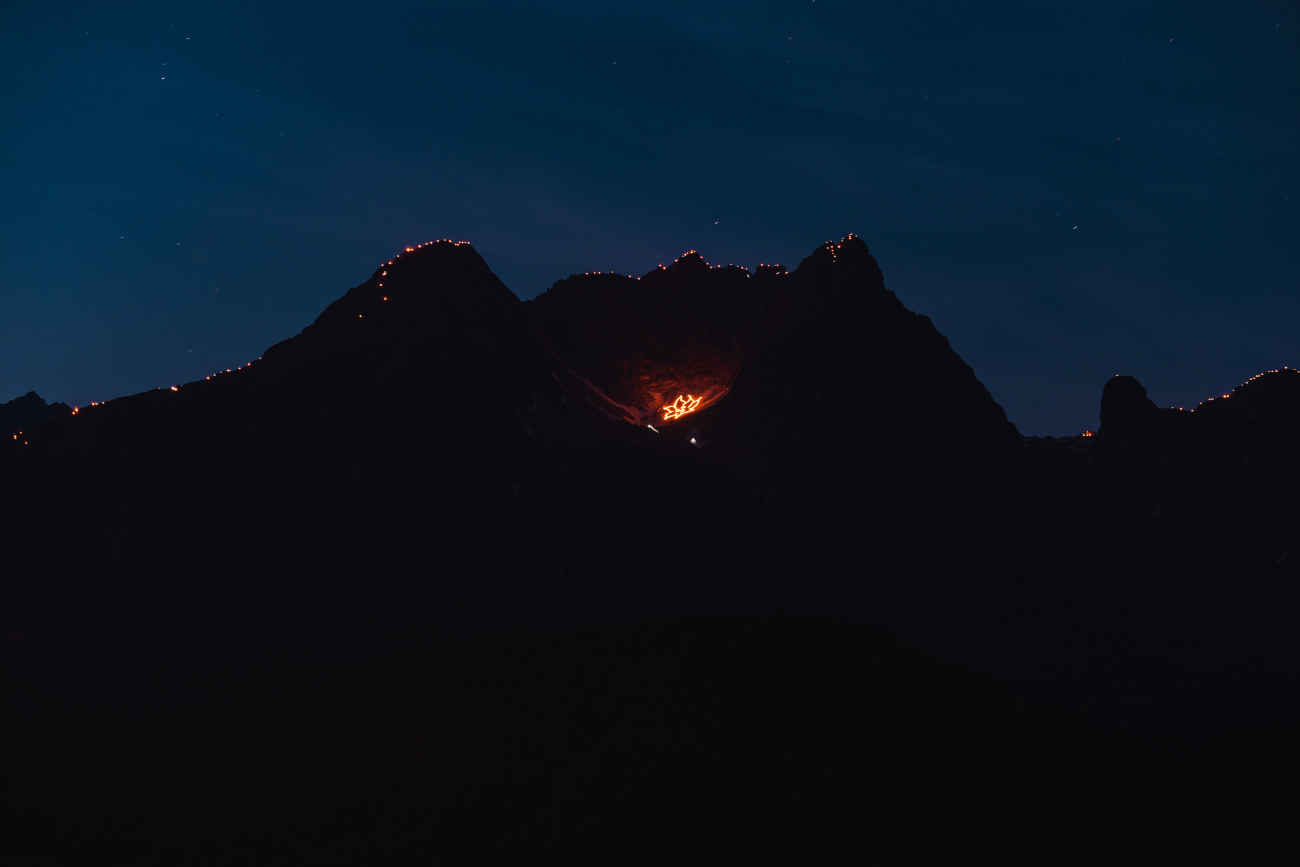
681, 406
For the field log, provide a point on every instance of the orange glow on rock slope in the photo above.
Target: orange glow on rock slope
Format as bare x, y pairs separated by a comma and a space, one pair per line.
681, 406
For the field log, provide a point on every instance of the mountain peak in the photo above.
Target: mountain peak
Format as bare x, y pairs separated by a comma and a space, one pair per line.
24, 412
436, 267
437, 299
850, 246
845, 263
1126, 412
690, 262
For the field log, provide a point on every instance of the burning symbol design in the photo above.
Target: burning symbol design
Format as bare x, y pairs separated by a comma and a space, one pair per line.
681, 406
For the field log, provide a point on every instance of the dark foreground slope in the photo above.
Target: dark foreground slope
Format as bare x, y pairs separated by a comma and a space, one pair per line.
424, 581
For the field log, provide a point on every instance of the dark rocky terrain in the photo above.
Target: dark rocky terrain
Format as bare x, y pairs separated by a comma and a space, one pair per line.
23, 412
436, 578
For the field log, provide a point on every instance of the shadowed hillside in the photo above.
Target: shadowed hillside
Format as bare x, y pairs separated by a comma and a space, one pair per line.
437, 575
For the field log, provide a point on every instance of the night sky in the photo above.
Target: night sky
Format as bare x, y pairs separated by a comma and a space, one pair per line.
1068, 190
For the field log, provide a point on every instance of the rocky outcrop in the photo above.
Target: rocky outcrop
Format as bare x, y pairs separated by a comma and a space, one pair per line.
23, 413
1127, 414
846, 358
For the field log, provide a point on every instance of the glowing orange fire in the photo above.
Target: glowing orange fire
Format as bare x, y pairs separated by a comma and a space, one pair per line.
681, 406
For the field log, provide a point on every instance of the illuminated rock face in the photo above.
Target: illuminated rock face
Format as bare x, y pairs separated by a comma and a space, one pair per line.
827, 338
639, 344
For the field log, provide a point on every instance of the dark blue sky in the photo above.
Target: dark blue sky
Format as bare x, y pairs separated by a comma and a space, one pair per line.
1068, 190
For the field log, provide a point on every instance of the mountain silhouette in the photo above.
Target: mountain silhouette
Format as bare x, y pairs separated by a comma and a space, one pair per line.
707, 557
24, 412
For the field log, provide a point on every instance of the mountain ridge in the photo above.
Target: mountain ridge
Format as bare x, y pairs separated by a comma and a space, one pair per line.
434, 465
26, 411
434, 357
